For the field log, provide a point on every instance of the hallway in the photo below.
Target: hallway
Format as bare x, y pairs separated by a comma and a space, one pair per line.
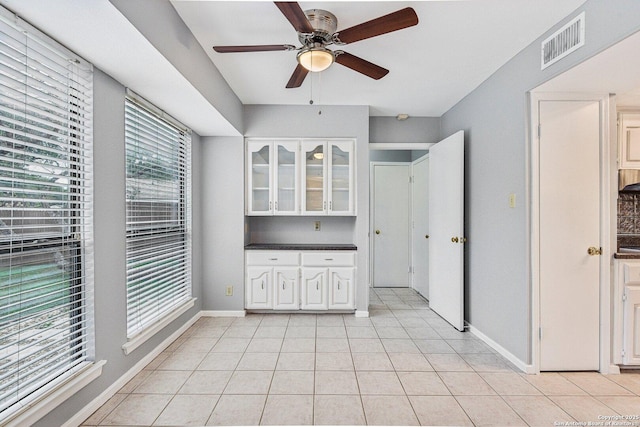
402, 366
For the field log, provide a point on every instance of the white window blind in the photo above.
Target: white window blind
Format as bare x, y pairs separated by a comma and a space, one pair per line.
46, 243
158, 216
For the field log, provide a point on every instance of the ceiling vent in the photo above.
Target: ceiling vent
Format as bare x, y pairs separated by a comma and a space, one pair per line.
564, 41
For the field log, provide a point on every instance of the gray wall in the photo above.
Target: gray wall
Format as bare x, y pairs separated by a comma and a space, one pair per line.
334, 122
110, 247
390, 155
414, 129
277, 229
223, 222
494, 118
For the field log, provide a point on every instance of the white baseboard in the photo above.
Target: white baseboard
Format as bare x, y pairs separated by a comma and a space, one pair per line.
103, 397
524, 367
223, 313
362, 313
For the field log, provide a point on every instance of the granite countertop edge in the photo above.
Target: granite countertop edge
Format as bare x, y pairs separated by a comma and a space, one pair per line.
301, 246
626, 255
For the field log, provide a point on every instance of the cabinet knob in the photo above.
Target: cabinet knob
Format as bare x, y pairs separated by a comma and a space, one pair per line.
454, 239
426, 236
377, 231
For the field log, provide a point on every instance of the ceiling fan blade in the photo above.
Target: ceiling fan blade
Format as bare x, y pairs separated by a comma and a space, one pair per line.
294, 13
395, 21
297, 77
253, 48
360, 65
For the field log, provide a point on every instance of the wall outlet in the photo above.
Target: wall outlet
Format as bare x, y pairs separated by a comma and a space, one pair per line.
228, 291
316, 226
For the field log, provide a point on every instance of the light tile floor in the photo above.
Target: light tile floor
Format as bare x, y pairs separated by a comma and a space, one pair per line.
402, 366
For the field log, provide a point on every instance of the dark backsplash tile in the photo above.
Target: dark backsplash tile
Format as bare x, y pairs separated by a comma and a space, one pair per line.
628, 219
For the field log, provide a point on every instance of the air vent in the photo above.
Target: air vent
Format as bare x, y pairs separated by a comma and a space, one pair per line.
563, 42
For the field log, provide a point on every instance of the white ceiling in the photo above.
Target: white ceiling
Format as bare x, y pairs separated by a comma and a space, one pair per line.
455, 47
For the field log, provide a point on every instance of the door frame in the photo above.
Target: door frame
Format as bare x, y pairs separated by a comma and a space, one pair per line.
372, 226
608, 214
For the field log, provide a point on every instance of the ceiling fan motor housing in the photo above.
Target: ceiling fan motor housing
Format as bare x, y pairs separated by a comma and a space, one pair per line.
324, 24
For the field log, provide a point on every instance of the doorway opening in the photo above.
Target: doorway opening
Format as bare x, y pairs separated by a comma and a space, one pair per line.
398, 211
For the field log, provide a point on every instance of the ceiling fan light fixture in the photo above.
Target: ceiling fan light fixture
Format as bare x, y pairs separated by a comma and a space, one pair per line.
316, 59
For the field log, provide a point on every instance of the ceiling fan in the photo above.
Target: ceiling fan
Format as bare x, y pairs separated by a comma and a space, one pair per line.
317, 29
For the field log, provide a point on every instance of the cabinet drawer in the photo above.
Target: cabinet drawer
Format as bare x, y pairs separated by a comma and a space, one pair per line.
273, 258
631, 274
328, 259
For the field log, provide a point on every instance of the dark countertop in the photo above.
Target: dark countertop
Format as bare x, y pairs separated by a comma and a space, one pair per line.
301, 247
626, 255
628, 247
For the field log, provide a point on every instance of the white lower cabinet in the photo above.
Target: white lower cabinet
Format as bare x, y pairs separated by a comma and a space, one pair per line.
299, 280
341, 288
626, 307
631, 327
286, 288
314, 288
258, 288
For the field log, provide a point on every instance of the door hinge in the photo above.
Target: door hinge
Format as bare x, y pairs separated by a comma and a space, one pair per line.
624, 296
539, 130
410, 180
623, 353
410, 269
539, 333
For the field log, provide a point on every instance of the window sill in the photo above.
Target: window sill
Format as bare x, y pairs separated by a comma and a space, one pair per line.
53, 394
140, 338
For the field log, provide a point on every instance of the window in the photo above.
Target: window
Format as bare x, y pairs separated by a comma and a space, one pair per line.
46, 243
158, 156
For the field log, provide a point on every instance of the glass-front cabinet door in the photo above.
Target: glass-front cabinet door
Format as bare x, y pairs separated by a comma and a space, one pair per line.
259, 194
313, 184
286, 178
294, 177
341, 188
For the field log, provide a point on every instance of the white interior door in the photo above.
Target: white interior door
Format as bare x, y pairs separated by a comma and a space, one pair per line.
391, 225
569, 221
420, 225
446, 223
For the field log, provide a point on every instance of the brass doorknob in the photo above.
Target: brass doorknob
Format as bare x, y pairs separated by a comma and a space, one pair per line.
454, 239
377, 231
593, 251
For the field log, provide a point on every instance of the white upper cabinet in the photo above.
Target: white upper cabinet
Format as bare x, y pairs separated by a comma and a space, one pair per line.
273, 171
300, 177
314, 168
340, 182
328, 184
286, 177
259, 178
629, 140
